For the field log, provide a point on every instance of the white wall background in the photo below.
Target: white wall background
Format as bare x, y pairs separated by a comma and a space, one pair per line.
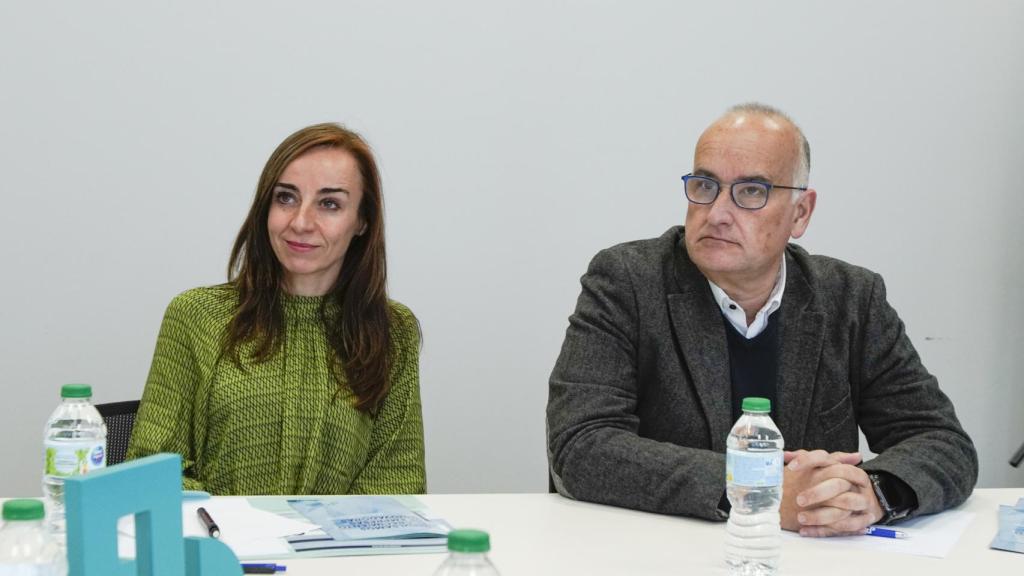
516, 140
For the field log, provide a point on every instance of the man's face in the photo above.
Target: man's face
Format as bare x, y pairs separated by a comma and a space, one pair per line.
732, 245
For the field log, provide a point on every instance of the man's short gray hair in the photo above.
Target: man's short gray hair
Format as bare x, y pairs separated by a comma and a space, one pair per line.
803, 166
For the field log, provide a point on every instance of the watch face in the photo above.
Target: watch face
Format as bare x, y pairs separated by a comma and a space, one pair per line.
893, 508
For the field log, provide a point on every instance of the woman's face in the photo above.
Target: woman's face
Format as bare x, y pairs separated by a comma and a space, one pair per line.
314, 214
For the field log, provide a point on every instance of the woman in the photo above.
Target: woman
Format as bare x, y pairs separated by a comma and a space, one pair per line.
298, 376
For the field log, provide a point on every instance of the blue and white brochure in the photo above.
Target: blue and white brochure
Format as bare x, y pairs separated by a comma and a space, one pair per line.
1011, 528
366, 521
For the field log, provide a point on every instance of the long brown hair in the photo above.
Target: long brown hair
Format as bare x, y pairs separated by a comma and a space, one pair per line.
359, 333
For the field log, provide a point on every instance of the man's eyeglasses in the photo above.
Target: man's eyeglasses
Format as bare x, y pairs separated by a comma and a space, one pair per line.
748, 194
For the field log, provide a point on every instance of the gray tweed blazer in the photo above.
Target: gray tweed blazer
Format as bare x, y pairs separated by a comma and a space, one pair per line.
639, 402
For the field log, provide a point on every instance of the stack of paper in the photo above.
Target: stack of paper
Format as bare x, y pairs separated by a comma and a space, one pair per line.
247, 530
932, 535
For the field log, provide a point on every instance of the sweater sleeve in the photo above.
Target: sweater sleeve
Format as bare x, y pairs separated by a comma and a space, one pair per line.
395, 461
166, 414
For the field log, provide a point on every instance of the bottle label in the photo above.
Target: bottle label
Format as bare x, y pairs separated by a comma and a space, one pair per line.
756, 469
70, 458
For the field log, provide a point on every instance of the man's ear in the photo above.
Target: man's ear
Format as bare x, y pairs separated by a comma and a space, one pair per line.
802, 214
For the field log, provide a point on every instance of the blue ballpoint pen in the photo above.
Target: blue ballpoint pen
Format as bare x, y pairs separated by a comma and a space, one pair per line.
262, 568
885, 532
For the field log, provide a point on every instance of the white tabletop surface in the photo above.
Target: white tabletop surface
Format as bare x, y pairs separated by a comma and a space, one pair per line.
542, 534
546, 534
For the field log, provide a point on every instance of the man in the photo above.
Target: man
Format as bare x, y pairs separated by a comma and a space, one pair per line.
670, 334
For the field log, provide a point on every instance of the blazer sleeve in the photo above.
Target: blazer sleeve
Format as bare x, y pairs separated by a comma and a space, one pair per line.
395, 461
165, 421
595, 449
907, 420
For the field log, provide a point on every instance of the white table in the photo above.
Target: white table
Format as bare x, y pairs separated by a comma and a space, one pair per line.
546, 534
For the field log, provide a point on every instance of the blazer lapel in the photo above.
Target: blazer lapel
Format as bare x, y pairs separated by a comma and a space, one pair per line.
801, 338
700, 332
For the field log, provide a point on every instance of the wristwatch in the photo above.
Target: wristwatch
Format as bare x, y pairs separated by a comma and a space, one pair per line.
888, 495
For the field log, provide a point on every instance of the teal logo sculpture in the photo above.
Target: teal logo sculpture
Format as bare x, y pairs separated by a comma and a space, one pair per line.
149, 488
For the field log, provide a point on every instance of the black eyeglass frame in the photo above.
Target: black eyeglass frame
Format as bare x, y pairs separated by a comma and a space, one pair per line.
732, 190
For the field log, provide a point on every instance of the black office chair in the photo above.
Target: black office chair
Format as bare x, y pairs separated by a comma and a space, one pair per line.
120, 419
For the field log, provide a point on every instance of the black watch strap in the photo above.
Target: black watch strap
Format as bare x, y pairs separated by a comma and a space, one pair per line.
890, 497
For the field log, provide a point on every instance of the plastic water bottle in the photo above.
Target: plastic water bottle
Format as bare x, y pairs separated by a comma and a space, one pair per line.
26, 547
468, 555
753, 476
75, 443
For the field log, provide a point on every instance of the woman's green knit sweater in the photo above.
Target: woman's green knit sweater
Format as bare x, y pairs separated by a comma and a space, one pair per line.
276, 427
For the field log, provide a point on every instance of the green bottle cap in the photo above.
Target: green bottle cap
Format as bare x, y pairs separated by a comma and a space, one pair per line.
76, 391
469, 541
755, 404
23, 509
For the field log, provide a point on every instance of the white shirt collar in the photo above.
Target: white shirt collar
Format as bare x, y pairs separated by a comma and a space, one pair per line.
738, 317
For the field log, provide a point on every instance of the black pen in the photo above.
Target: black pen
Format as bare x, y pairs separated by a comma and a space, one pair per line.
208, 522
